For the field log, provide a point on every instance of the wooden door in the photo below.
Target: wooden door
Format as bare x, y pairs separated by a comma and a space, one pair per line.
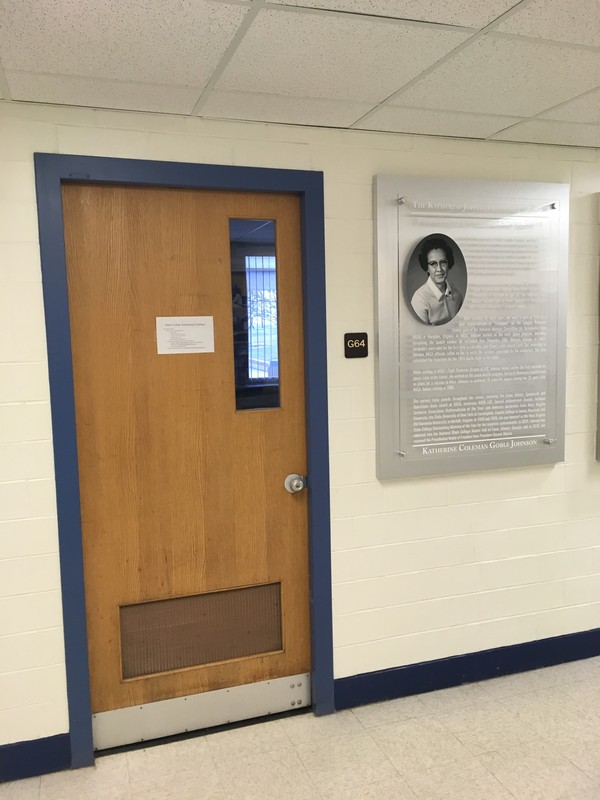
195, 556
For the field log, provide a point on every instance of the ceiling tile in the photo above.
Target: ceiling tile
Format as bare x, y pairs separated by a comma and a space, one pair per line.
576, 21
334, 57
291, 110
550, 132
74, 91
139, 40
583, 109
496, 75
440, 123
451, 12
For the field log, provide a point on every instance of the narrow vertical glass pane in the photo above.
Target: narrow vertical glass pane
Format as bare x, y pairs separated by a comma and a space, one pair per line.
254, 295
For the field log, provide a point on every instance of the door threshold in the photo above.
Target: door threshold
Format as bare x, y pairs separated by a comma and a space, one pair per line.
181, 715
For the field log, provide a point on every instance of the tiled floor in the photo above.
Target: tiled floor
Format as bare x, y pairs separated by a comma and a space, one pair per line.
534, 736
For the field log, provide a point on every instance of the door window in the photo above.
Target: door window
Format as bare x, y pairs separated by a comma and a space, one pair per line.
255, 314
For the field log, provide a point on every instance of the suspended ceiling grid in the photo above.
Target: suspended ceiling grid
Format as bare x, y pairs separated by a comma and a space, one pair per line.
525, 71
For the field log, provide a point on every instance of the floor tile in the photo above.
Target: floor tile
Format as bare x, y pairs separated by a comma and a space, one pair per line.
539, 772
555, 716
586, 691
571, 672
539, 679
488, 726
534, 736
455, 698
275, 774
585, 756
465, 780
553, 697
107, 780
511, 685
419, 744
148, 765
345, 762
28, 789
239, 742
308, 728
181, 785
390, 711
391, 789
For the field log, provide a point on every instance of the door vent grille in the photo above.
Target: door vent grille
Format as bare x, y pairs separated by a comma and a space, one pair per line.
183, 632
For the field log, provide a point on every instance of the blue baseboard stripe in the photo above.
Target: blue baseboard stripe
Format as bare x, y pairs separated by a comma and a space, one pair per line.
37, 757
372, 687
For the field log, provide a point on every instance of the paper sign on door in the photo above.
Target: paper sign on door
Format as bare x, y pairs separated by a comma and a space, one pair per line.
185, 335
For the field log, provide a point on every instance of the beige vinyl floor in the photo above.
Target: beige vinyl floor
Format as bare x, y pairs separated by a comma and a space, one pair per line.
533, 736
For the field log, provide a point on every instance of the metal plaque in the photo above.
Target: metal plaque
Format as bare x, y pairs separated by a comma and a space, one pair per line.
471, 305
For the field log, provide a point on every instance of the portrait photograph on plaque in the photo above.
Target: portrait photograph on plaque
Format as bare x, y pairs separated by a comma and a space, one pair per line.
436, 297
471, 312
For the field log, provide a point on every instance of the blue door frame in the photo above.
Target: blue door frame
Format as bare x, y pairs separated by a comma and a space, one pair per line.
51, 171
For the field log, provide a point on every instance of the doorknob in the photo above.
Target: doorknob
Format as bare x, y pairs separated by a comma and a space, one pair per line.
295, 483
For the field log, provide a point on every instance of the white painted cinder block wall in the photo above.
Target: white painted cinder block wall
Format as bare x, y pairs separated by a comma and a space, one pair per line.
422, 569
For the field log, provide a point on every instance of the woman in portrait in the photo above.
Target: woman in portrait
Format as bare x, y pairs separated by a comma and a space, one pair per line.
437, 301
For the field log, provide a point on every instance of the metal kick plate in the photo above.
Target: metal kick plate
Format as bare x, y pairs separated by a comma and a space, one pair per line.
198, 711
